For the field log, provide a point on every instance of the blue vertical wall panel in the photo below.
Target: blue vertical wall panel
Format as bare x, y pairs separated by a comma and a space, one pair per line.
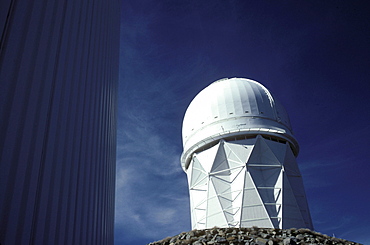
58, 84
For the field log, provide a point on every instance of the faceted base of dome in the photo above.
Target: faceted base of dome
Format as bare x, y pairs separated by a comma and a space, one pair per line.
245, 183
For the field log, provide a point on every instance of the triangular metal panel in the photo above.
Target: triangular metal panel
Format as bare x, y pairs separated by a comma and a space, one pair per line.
248, 181
220, 163
271, 207
220, 185
265, 180
264, 176
201, 183
238, 153
207, 157
292, 216
297, 185
290, 163
235, 173
294, 176
231, 156
267, 195
197, 164
225, 201
198, 177
213, 204
299, 192
277, 148
215, 216
250, 195
255, 213
262, 154
253, 207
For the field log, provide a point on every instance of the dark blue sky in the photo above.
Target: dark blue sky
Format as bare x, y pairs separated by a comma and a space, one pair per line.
312, 55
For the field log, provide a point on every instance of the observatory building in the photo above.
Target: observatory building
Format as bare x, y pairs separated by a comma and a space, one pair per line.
240, 159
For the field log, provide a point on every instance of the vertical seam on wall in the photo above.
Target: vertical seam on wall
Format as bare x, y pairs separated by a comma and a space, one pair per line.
46, 135
81, 137
5, 30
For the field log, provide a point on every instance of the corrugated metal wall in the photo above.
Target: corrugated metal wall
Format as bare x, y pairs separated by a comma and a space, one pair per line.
58, 84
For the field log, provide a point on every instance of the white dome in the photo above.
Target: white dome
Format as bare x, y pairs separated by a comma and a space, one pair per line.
229, 108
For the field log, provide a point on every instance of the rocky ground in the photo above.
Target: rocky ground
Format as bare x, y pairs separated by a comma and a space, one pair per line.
251, 236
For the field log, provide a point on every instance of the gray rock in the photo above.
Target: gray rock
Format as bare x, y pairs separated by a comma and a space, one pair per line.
260, 241
289, 241
270, 242
214, 238
221, 239
299, 236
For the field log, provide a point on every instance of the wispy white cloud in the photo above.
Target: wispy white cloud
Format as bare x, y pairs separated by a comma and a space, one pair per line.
150, 199
151, 188
152, 194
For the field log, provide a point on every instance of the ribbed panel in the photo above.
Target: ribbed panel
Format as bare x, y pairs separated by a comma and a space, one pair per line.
58, 83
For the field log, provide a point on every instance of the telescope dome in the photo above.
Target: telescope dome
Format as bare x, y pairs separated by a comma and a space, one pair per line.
233, 108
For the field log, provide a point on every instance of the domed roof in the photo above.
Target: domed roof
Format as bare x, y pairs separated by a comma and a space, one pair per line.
229, 107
